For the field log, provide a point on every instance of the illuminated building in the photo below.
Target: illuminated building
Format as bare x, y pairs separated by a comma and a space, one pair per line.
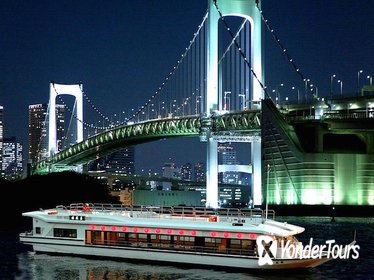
186, 171
200, 174
121, 162
38, 130
171, 171
12, 165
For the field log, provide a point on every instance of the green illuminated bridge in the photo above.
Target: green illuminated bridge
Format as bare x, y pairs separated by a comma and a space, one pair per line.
320, 150
241, 124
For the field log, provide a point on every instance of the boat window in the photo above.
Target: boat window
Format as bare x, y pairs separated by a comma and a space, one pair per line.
185, 240
212, 242
65, 232
38, 230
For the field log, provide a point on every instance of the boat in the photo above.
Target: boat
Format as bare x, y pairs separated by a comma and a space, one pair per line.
188, 236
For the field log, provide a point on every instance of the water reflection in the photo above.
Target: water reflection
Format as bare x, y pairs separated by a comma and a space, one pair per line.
41, 266
45, 267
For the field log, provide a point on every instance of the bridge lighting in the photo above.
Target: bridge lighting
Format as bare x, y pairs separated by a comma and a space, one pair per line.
226, 101
306, 81
358, 80
341, 86
348, 107
370, 78
298, 93
198, 97
277, 94
172, 105
243, 101
315, 89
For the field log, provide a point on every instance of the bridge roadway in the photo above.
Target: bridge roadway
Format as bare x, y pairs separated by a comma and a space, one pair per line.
244, 123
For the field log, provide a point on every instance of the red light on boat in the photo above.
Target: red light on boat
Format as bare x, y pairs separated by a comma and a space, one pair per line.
213, 233
252, 236
135, 229
169, 231
226, 235
181, 232
146, 230
239, 235
158, 231
193, 232
124, 228
92, 227
103, 228
114, 228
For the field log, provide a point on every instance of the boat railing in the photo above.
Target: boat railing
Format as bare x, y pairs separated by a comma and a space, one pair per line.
239, 215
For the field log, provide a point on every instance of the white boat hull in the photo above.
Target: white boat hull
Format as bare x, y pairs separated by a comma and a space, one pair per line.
78, 247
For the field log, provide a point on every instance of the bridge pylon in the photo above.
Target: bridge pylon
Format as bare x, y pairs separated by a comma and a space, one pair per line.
75, 90
245, 9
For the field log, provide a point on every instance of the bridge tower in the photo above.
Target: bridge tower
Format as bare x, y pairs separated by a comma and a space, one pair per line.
245, 9
75, 90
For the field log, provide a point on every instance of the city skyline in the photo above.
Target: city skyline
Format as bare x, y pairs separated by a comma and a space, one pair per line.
109, 50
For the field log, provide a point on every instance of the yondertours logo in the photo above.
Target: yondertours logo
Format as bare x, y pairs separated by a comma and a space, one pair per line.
268, 249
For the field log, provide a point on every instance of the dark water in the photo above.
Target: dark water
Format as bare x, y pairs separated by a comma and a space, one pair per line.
17, 261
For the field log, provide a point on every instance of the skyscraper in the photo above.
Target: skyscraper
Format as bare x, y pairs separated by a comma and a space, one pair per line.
38, 130
12, 164
227, 156
122, 162
200, 172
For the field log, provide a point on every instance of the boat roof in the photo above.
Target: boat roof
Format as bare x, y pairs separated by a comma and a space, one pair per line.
188, 218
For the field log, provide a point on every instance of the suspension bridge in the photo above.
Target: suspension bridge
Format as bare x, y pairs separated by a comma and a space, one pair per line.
216, 91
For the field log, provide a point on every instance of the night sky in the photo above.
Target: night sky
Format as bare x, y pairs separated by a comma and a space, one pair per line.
122, 50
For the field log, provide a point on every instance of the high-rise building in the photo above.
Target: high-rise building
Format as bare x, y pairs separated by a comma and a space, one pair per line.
171, 171
12, 164
186, 171
200, 175
38, 130
227, 156
122, 161
1, 140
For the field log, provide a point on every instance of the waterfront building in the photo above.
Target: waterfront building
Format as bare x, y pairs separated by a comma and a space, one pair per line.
126, 197
38, 130
199, 172
12, 164
186, 171
170, 171
166, 198
121, 161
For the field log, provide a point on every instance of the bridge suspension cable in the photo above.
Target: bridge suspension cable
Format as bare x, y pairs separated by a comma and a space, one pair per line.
74, 114
284, 50
95, 108
65, 141
175, 84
